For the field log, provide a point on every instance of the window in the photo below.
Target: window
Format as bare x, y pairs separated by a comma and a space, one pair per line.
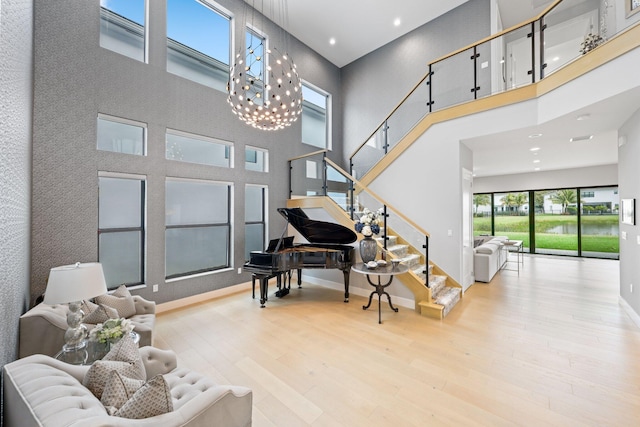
198, 42
255, 223
255, 60
121, 135
191, 148
121, 234
316, 113
122, 27
198, 227
256, 159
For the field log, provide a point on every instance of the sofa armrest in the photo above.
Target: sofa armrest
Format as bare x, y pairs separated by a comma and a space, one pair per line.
157, 361
144, 306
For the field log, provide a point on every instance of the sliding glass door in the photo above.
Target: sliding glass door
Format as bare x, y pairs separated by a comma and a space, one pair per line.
599, 223
511, 216
556, 222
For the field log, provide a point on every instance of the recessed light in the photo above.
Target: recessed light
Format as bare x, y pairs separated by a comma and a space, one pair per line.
536, 161
532, 149
583, 117
332, 41
536, 169
535, 135
555, 58
581, 138
397, 22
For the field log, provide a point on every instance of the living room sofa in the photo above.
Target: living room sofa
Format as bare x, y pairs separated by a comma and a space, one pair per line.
487, 257
42, 328
42, 391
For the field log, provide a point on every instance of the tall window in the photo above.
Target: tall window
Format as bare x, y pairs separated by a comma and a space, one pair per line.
122, 27
256, 159
186, 147
316, 113
198, 226
255, 223
121, 233
198, 42
121, 135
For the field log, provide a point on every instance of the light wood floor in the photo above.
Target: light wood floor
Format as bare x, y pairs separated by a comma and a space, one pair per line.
550, 347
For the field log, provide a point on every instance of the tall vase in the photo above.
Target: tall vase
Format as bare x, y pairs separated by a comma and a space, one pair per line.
368, 249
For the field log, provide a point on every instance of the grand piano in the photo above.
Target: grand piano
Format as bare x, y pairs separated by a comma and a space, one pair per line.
328, 247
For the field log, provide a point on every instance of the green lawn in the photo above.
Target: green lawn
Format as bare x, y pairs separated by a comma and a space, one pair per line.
517, 228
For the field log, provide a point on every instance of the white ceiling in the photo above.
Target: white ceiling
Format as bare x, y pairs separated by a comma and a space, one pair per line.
360, 26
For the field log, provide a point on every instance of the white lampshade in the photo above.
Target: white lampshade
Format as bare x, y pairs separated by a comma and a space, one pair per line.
76, 282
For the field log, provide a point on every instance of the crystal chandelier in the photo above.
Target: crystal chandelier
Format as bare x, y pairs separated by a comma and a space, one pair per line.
264, 88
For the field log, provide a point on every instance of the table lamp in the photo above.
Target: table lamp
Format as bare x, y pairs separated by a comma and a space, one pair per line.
71, 284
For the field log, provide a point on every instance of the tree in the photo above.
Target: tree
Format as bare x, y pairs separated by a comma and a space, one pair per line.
514, 200
481, 200
538, 200
564, 197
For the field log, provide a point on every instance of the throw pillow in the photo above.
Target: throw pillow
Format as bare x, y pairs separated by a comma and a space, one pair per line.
124, 357
153, 398
117, 390
121, 299
88, 306
100, 315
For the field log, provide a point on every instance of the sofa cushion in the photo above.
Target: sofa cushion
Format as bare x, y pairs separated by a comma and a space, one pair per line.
121, 299
487, 248
100, 315
124, 357
153, 398
117, 390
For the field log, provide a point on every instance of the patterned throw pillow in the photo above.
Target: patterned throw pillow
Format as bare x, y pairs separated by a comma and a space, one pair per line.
117, 390
121, 300
153, 398
124, 357
88, 306
100, 315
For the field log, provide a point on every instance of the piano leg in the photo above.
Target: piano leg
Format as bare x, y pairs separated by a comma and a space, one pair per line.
299, 278
346, 272
264, 287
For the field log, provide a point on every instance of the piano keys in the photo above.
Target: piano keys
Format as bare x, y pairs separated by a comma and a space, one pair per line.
328, 247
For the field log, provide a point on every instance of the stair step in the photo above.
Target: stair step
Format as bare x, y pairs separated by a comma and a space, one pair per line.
401, 251
411, 260
448, 298
437, 284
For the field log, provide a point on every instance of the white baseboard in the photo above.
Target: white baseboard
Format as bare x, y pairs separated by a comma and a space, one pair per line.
195, 299
219, 293
630, 311
354, 290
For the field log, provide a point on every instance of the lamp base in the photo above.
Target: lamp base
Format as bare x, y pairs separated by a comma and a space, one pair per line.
75, 337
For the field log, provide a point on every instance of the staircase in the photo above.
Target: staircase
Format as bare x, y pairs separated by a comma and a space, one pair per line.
439, 298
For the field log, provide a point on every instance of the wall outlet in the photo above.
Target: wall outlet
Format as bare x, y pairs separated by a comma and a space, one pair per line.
239, 270
449, 233
623, 235
631, 287
638, 239
155, 288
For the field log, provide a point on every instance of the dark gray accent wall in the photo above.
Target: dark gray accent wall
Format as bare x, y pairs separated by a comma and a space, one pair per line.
374, 84
629, 188
16, 79
75, 79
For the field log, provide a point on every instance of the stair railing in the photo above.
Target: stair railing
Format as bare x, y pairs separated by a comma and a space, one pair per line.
314, 174
513, 58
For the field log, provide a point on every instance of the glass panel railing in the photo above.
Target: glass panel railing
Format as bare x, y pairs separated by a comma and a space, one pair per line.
369, 153
338, 188
307, 175
452, 80
566, 27
410, 112
566, 30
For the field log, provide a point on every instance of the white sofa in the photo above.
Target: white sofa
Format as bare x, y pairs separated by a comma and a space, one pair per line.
42, 328
42, 391
487, 257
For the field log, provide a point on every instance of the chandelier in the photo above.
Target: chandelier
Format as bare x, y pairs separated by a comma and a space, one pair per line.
264, 87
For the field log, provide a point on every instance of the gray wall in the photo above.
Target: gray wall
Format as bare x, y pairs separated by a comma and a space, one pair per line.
629, 188
75, 80
16, 34
374, 84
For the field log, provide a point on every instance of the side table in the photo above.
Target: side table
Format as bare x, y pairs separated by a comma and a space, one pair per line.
89, 353
387, 271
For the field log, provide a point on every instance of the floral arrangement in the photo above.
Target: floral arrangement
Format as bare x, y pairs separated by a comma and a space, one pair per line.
369, 222
111, 330
591, 41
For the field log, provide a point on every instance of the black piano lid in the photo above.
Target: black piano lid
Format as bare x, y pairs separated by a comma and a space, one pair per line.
317, 231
